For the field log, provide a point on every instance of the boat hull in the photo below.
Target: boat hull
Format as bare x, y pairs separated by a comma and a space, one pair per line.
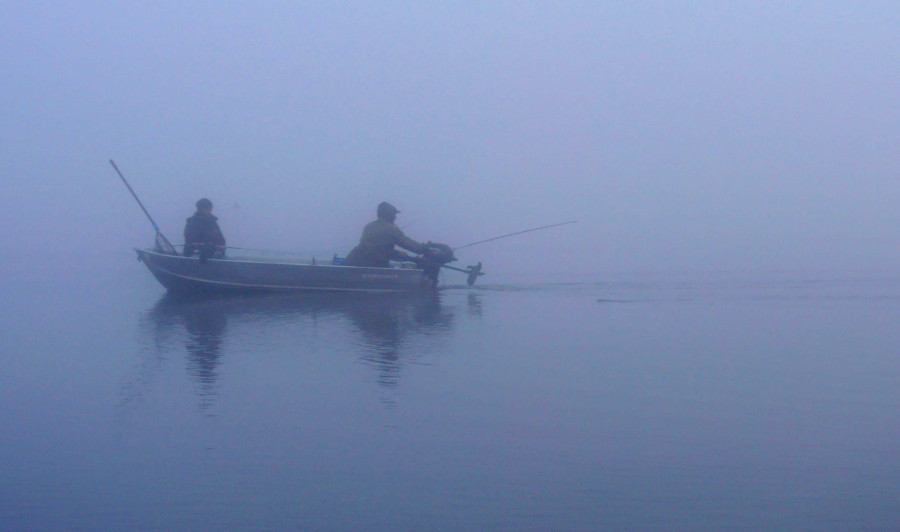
190, 275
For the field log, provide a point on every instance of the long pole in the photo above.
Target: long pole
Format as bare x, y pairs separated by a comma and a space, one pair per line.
162, 243
138, 200
516, 233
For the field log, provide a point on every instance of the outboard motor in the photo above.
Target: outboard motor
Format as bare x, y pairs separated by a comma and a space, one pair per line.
435, 256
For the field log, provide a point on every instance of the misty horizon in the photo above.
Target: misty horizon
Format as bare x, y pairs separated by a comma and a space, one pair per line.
681, 136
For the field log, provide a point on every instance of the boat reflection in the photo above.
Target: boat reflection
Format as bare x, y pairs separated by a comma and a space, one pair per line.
384, 332
205, 332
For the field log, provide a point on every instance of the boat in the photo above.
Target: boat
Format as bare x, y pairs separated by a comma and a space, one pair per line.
264, 273
244, 271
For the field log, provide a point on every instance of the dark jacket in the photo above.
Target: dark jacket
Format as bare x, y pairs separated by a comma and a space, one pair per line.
376, 246
199, 229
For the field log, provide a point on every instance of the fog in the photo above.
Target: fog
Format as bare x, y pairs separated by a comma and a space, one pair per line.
681, 135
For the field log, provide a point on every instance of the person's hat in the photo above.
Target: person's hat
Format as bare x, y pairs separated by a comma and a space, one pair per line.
386, 209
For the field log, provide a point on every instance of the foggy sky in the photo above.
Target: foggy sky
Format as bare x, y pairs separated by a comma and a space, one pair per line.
681, 135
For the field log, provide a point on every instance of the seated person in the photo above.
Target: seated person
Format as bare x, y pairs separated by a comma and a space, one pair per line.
202, 233
376, 246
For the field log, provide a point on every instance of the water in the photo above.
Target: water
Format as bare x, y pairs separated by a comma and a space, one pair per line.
667, 401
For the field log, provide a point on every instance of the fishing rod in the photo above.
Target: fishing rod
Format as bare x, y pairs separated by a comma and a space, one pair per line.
516, 233
165, 245
473, 272
409, 224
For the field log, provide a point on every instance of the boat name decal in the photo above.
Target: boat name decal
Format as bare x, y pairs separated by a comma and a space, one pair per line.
370, 276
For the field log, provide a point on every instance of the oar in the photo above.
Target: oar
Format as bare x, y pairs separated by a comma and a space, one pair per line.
161, 241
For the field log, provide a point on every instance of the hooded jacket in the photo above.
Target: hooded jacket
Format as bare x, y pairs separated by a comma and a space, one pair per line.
199, 229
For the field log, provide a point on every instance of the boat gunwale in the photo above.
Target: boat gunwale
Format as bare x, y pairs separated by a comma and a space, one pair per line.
274, 286
235, 261
158, 264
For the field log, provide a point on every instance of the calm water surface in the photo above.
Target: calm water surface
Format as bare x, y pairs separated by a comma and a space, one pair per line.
706, 401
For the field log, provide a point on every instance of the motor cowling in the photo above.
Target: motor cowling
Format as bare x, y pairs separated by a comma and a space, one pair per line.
435, 256
440, 253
